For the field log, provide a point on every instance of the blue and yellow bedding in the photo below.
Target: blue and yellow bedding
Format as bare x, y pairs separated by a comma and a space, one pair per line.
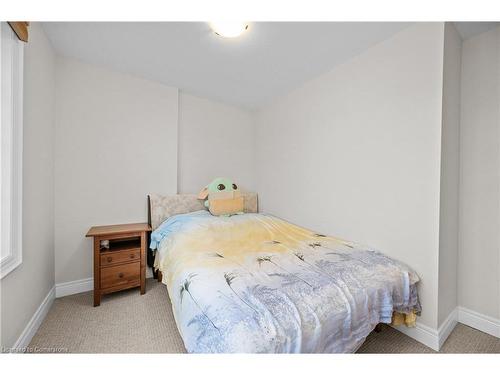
253, 283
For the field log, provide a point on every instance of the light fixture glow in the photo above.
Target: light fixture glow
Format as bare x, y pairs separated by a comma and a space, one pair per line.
229, 29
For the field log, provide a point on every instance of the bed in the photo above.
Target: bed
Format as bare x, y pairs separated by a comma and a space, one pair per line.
254, 283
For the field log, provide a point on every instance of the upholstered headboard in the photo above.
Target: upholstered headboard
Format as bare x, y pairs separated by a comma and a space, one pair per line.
161, 207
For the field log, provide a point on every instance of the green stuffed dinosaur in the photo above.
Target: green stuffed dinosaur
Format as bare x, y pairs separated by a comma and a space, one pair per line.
222, 197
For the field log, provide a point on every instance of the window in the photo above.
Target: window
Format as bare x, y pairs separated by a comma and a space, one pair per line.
11, 148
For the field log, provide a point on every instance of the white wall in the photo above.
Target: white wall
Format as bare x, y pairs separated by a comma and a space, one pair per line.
23, 290
115, 142
356, 153
134, 137
450, 140
479, 246
215, 140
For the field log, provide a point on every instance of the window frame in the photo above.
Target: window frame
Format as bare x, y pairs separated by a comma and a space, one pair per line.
11, 155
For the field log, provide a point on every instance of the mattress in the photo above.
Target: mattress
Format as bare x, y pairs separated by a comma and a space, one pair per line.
254, 283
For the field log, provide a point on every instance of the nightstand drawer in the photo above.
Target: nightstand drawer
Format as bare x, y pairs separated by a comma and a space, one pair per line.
112, 258
120, 275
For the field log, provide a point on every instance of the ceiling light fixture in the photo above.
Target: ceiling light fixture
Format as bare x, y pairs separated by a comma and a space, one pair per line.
229, 29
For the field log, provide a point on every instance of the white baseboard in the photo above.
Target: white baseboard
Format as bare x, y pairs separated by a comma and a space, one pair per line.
479, 321
423, 334
35, 321
74, 287
433, 338
447, 327
83, 285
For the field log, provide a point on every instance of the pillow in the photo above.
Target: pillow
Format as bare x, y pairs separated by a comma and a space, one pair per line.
222, 197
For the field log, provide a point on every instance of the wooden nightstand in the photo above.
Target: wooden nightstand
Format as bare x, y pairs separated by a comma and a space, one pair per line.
122, 264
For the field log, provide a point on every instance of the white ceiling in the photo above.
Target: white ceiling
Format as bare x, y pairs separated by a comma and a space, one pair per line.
269, 60
468, 29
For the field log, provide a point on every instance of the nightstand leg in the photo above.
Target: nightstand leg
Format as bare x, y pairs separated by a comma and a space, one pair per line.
143, 263
97, 271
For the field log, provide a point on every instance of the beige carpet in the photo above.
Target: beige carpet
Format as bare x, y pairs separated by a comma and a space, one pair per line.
127, 322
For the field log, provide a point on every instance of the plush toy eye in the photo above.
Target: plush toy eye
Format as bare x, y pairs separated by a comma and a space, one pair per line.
221, 187
235, 187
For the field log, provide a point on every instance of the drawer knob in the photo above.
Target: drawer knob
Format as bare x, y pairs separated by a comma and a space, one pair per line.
109, 259
120, 275
132, 256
